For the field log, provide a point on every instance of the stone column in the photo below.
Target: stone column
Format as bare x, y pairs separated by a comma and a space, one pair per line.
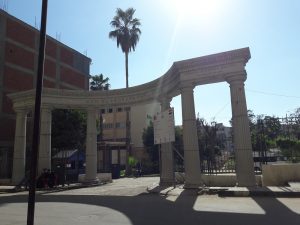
190, 139
19, 147
241, 132
167, 157
44, 160
91, 147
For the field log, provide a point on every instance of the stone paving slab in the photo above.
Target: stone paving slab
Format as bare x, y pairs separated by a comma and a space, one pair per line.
227, 191
129, 201
132, 186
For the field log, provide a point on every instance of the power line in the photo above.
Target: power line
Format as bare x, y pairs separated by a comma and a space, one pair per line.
221, 109
274, 94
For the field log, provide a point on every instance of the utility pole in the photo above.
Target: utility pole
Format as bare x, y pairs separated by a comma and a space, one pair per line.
37, 114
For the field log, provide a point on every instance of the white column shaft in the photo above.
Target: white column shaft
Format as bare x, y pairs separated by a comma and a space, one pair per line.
241, 135
44, 160
167, 157
91, 147
19, 147
190, 140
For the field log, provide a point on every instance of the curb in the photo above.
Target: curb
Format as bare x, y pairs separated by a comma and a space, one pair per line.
283, 194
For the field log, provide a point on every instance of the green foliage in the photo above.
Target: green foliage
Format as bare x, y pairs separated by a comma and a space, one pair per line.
264, 132
99, 83
229, 164
286, 143
126, 29
122, 173
148, 141
132, 161
210, 143
68, 129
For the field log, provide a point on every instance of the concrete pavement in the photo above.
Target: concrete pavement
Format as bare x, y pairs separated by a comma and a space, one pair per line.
126, 201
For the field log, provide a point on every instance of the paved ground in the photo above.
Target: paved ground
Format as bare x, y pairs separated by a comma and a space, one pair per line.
126, 201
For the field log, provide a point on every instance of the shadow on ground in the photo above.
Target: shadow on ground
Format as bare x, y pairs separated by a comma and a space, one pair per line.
154, 209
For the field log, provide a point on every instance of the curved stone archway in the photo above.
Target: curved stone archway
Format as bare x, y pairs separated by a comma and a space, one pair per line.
180, 79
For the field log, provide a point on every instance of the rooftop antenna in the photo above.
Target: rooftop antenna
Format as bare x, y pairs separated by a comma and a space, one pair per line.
85, 52
5, 5
57, 36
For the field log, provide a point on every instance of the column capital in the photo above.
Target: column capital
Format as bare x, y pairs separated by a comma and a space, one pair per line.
236, 78
46, 108
91, 109
18, 110
187, 87
164, 100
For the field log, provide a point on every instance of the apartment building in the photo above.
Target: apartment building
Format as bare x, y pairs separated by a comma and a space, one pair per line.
65, 68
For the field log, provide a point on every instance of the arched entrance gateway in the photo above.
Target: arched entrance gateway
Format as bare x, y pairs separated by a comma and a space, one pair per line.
180, 79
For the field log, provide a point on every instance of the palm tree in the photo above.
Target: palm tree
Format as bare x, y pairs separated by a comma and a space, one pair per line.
127, 33
99, 83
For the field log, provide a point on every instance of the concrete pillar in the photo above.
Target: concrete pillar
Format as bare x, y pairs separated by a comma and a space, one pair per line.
44, 159
91, 147
167, 158
241, 132
19, 147
190, 139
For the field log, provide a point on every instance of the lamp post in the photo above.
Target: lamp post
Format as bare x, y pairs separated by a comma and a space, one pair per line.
37, 112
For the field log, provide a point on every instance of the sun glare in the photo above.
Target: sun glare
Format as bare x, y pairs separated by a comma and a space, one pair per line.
196, 8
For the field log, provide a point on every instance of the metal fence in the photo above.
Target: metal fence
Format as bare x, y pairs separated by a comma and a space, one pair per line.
223, 163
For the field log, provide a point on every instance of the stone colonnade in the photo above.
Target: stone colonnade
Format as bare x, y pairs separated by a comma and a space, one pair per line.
181, 79
44, 157
241, 140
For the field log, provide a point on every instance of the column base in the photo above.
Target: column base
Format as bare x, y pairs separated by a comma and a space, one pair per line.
247, 184
166, 182
90, 181
193, 186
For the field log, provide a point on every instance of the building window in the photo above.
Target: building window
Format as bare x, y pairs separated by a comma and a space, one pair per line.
120, 125
103, 111
119, 109
127, 109
110, 110
107, 126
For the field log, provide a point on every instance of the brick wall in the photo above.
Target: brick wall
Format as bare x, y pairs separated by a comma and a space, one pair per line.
64, 67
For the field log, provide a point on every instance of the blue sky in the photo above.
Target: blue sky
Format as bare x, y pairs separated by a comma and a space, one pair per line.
175, 30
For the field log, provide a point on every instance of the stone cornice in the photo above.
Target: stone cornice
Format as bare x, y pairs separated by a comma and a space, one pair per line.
207, 69
238, 55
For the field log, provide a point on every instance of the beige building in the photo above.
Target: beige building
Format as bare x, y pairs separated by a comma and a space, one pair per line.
114, 125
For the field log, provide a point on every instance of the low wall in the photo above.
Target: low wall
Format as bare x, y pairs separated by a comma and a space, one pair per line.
217, 180
5, 181
103, 177
280, 174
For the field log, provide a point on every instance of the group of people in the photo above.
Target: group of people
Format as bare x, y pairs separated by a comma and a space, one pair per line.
47, 179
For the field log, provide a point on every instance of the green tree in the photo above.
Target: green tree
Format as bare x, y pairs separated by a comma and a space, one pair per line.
272, 127
99, 83
295, 117
68, 129
210, 143
152, 150
127, 33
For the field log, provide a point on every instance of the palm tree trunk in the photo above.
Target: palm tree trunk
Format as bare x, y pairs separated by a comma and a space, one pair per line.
128, 148
126, 65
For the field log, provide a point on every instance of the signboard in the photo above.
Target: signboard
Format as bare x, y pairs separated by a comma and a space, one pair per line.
164, 127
